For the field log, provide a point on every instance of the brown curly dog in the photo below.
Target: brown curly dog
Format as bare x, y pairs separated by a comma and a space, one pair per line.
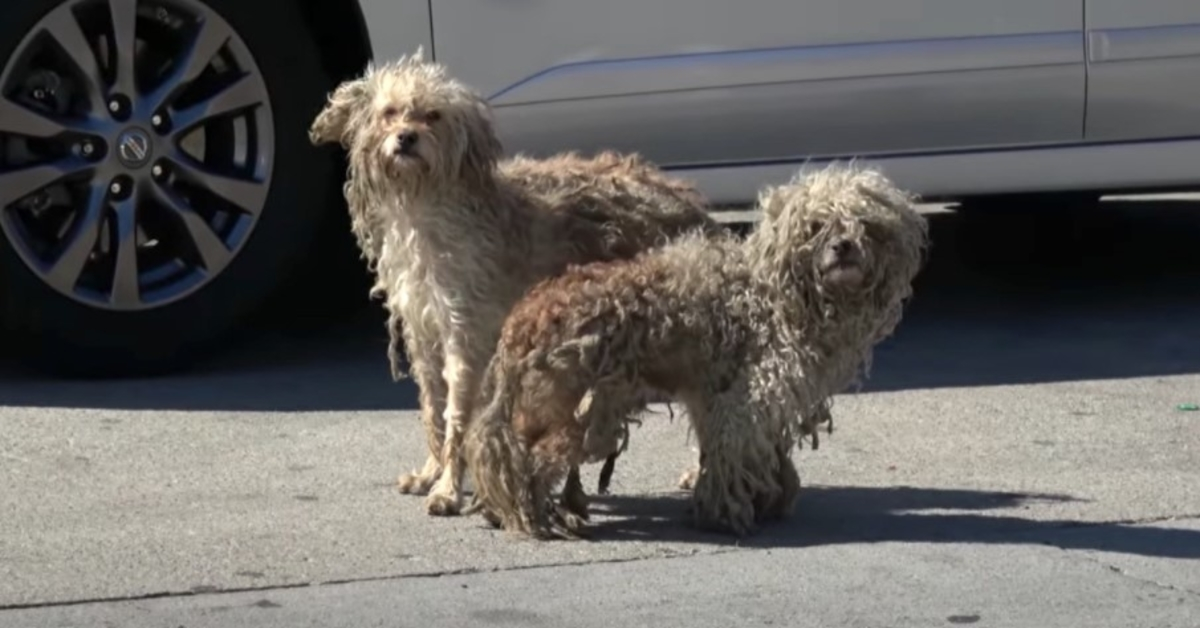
752, 336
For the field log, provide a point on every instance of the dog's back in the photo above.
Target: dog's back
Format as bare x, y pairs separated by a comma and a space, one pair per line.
638, 206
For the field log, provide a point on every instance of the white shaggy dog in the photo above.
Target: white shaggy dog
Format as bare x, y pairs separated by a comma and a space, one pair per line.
456, 235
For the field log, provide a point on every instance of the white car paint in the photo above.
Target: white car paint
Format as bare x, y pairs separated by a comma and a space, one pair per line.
950, 97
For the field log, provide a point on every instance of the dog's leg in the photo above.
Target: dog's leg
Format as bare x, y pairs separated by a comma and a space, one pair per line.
462, 380
610, 464
605, 414
557, 521
687, 481
738, 467
789, 484
426, 368
574, 498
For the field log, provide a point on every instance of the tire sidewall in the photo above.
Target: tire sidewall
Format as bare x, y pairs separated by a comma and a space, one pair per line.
46, 323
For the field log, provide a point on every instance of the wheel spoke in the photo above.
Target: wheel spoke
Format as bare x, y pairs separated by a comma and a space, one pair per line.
213, 252
240, 94
126, 290
64, 272
124, 29
18, 120
17, 184
247, 195
211, 36
64, 28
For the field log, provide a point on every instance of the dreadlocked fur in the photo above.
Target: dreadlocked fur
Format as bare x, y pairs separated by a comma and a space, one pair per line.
455, 234
752, 337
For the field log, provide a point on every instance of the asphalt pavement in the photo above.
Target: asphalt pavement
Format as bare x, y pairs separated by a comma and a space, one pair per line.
1017, 458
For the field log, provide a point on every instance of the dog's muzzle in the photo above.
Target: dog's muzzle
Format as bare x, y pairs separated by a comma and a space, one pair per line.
843, 264
406, 144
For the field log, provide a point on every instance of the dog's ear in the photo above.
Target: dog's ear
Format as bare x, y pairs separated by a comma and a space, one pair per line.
483, 147
333, 123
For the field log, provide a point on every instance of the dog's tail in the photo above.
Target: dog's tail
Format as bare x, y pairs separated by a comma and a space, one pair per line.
498, 460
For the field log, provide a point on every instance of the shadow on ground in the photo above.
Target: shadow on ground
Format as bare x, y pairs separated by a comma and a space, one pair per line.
827, 515
1106, 292
344, 368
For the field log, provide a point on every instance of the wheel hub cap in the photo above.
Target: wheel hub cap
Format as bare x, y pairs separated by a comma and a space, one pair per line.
133, 148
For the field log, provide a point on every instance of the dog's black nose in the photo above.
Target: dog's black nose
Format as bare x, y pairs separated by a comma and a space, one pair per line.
843, 247
406, 141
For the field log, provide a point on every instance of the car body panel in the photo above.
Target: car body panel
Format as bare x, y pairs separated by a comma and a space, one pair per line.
396, 27
952, 97
719, 127
689, 82
1143, 69
495, 44
1112, 167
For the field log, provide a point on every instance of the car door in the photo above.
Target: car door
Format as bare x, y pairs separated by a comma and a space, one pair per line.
1143, 69
690, 82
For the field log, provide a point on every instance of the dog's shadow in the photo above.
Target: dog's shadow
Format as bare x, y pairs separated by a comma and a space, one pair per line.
828, 515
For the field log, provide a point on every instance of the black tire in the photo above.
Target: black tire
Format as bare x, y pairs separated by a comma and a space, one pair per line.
57, 334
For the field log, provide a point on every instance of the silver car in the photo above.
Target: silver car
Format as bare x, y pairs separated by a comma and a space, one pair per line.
157, 187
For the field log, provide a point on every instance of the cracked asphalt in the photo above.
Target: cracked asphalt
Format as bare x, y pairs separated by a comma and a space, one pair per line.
1016, 459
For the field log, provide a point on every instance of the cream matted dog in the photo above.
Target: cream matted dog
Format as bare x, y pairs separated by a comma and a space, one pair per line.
752, 336
456, 235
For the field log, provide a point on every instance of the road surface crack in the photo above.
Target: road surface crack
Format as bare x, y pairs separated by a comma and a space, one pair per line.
466, 571
665, 555
1117, 569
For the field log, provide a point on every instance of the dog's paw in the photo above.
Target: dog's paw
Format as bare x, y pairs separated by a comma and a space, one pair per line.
492, 518
415, 483
576, 502
566, 525
738, 526
441, 505
687, 481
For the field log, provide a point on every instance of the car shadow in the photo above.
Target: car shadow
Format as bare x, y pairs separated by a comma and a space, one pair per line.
1004, 299
830, 515
1104, 292
288, 369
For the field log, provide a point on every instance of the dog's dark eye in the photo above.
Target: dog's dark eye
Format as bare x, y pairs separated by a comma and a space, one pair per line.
389, 113
818, 226
433, 116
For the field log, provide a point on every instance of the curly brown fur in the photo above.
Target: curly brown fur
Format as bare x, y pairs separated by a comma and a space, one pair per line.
753, 337
455, 234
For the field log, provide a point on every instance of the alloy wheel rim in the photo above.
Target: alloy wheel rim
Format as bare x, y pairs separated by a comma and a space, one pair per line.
136, 150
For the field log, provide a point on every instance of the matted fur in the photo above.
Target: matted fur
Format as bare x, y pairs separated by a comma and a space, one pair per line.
455, 235
753, 337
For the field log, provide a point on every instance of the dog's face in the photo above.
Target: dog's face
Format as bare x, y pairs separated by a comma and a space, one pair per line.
866, 256
850, 234
842, 259
411, 124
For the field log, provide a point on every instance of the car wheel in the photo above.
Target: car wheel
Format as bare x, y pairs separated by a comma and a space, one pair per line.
156, 183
